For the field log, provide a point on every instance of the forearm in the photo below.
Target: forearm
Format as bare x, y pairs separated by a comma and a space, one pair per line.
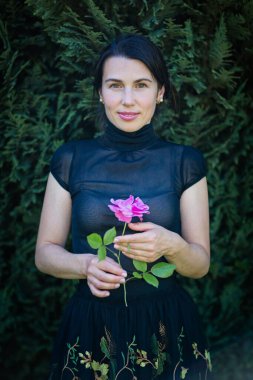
191, 259
56, 261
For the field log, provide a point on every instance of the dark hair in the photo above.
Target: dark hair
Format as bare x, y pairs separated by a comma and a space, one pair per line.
134, 46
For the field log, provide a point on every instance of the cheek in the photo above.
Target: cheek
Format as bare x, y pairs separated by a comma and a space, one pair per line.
110, 100
148, 101
150, 106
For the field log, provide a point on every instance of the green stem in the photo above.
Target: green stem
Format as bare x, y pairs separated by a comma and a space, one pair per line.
115, 254
131, 278
124, 229
124, 285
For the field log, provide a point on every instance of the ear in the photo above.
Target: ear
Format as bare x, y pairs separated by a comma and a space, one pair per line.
160, 94
100, 97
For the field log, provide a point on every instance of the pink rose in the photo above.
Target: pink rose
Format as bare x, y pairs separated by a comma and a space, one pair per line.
125, 210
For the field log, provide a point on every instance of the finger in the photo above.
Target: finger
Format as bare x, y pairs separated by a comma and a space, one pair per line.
105, 276
143, 246
148, 256
98, 293
112, 261
137, 254
133, 238
145, 226
112, 267
108, 265
140, 257
101, 285
133, 252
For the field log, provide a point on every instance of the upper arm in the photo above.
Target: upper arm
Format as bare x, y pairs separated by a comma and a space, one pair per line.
195, 214
55, 216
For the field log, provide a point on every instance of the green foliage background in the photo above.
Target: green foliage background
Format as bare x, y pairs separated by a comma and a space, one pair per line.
47, 53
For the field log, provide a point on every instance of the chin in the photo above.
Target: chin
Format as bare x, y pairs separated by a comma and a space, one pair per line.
129, 126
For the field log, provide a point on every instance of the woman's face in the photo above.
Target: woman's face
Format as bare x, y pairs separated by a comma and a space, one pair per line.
129, 92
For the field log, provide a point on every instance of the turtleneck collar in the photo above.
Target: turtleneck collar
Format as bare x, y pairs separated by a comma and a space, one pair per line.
117, 139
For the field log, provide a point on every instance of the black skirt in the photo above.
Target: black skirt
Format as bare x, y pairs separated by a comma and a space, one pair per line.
158, 336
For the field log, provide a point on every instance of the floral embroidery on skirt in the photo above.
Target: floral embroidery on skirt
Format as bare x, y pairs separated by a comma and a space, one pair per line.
151, 339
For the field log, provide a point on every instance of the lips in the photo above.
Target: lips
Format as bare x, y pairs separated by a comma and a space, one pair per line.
128, 116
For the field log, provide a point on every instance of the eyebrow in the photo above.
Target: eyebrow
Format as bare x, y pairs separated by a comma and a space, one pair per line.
136, 81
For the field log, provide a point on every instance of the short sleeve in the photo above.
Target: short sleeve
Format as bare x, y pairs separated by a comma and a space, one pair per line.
193, 167
60, 165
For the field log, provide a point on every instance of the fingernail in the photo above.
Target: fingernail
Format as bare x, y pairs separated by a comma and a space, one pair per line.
124, 274
116, 240
117, 285
122, 281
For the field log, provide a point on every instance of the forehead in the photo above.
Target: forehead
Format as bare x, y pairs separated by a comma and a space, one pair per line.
125, 68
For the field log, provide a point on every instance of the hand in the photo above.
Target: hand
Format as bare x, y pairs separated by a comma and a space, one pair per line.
152, 243
103, 276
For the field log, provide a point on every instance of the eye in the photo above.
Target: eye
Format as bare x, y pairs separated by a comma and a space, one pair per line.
141, 85
115, 85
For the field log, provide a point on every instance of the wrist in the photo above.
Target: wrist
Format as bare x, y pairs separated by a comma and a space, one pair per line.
176, 247
84, 260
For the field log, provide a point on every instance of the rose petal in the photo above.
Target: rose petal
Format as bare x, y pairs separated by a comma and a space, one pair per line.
125, 209
123, 218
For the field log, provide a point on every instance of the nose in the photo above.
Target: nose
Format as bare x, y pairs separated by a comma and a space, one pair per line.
127, 97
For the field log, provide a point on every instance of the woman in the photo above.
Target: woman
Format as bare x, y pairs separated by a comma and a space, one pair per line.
158, 334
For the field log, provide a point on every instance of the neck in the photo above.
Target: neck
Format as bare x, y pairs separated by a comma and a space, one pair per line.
126, 141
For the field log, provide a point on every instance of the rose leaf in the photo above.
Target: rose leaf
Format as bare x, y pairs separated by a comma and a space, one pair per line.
101, 253
163, 270
137, 275
109, 236
94, 240
140, 265
150, 279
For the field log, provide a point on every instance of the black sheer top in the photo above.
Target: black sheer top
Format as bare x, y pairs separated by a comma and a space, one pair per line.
116, 165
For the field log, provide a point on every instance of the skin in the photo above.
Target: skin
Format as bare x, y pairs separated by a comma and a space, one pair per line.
128, 86
133, 89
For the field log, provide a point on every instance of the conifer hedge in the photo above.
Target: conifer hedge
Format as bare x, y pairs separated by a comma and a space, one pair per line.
46, 63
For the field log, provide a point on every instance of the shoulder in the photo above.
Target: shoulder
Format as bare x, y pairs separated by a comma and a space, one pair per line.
179, 151
64, 151
193, 166
192, 156
182, 152
63, 158
187, 162
68, 150
71, 147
